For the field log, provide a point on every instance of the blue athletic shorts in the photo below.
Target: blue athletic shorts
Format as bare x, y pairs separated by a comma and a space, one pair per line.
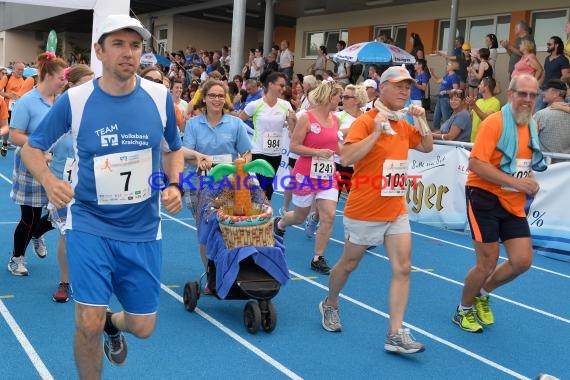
99, 267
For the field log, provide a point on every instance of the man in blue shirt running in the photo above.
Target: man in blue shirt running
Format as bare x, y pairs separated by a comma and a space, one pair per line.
124, 132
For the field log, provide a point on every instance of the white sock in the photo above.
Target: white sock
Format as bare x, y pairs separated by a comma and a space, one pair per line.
483, 292
464, 308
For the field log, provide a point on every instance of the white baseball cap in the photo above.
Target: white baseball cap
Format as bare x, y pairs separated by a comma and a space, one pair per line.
370, 83
395, 74
112, 23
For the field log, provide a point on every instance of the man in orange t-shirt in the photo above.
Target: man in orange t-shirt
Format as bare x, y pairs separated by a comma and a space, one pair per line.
377, 144
4, 128
495, 207
9, 86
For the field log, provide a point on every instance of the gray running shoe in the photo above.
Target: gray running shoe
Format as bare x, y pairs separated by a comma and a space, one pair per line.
311, 226
40, 247
17, 266
115, 347
403, 343
330, 317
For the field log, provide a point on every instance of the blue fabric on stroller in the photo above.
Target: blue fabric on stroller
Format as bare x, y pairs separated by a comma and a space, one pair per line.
271, 259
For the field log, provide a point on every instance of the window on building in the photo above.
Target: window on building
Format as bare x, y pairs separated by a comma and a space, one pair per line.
546, 24
162, 41
444, 32
396, 32
503, 28
475, 29
327, 39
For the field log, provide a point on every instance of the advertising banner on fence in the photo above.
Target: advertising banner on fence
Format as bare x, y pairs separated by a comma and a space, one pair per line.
548, 213
438, 198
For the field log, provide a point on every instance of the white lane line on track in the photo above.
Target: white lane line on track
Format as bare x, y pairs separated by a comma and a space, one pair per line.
5, 178
25, 343
280, 367
501, 257
340, 213
376, 311
447, 343
429, 273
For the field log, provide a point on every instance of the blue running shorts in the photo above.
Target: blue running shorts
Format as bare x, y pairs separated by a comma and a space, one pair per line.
100, 266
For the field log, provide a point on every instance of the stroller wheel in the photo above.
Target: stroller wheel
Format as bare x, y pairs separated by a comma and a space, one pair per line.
191, 294
268, 315
252, 317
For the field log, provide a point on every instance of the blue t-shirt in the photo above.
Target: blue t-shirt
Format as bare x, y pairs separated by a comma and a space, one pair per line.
115, 136
228, 137
447, 82
553, 69
62, 150
416, 93
28, 111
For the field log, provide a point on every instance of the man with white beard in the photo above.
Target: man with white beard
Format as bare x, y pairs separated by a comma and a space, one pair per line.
501, 164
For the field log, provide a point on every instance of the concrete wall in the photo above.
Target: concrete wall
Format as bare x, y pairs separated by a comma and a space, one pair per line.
22, 46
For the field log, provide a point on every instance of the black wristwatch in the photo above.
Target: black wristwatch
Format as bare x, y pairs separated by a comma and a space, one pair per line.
177, 185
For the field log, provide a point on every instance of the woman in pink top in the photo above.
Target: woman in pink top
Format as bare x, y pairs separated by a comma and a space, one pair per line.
315, 138
528, 63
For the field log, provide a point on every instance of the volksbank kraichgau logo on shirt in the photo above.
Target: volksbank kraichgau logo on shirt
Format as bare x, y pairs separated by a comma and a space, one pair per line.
109, 140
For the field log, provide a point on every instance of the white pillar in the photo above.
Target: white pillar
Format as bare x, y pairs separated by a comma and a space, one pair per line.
238, 35
102, 9
268, 27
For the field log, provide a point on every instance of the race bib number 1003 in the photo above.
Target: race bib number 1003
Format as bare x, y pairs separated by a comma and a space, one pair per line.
394, 176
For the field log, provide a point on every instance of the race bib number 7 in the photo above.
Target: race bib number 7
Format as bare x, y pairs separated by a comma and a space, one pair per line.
122, 178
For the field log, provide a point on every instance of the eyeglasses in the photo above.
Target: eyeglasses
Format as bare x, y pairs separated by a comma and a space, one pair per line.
525, 95
549, 44
155, 80
348, 96
216, 96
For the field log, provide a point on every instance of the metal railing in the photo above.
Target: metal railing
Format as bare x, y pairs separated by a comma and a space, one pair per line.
548, 155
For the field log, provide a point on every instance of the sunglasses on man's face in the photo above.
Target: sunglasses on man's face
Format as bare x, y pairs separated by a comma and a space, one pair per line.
155, 80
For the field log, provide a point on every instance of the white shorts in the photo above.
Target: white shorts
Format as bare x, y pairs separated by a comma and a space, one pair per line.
303, 201
372, 233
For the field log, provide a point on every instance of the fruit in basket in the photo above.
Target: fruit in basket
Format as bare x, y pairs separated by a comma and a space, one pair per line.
241, 169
